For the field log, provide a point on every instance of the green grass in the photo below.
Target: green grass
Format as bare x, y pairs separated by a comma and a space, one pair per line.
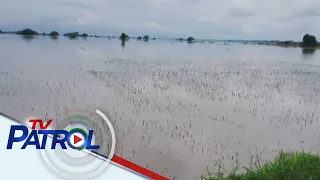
287, 166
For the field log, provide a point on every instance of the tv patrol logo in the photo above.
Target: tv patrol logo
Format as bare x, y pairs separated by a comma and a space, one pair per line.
76, 138
68, 147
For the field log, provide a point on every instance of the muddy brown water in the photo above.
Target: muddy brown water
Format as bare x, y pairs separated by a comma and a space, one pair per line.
176, 108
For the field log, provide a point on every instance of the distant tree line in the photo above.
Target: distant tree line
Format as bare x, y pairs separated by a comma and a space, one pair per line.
308, 40
55, 34
189, 39
144, 38
74, 35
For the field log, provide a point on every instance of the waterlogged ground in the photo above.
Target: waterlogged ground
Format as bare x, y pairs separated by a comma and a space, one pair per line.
177, 109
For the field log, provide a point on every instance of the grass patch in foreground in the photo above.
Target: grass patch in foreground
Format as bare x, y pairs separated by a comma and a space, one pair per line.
288, 166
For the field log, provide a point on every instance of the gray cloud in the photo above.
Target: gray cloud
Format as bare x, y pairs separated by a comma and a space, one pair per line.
240, 19
74, 5
240, 13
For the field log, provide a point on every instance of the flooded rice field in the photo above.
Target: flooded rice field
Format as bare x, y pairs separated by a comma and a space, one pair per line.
177, 108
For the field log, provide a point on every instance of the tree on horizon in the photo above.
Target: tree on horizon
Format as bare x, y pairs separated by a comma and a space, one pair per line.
190, 40
27, 32
53, 34
72, 35
309, 41
124, 37
84, 35
146, 38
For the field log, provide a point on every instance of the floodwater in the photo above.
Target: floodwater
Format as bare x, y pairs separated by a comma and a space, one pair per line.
177, 108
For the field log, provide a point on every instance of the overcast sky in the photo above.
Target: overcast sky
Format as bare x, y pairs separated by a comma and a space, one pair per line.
217, 19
